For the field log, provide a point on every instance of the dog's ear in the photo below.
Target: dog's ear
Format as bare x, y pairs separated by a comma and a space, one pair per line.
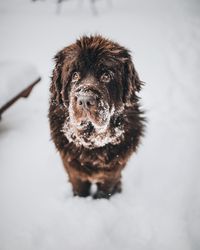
56, 85
132, 83
61, 73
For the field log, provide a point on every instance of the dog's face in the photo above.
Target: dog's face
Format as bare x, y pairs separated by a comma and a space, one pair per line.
95, 81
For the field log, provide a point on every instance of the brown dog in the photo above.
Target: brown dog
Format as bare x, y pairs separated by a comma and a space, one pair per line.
95, 119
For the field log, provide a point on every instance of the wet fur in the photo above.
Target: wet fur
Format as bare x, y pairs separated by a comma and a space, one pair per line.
102, 165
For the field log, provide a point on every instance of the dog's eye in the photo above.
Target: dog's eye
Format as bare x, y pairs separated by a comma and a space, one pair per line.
105, 77
75, 77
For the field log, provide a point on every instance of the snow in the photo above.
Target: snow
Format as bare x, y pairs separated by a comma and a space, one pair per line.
15, 77
160, 204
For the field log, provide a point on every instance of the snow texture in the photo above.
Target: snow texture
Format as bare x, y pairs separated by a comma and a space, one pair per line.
15, 77
159, 208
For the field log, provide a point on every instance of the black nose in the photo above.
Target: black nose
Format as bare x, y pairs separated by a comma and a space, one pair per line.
86, 101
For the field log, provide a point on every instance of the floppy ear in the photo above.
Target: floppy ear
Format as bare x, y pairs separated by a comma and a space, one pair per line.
132, 83
61, 73
56, 85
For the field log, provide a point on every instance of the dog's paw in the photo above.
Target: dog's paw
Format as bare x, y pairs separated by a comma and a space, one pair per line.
101, 195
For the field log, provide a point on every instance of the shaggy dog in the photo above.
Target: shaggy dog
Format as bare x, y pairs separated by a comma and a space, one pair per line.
95, 118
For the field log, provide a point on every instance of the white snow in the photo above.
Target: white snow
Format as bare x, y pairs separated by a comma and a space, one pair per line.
159, 208
15, 77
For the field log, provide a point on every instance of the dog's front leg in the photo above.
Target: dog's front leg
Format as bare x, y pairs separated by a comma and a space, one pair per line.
80, 188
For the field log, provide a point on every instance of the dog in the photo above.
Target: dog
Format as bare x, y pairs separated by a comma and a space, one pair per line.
95, 117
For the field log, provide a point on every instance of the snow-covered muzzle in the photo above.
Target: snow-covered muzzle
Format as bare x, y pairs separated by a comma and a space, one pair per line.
90, 112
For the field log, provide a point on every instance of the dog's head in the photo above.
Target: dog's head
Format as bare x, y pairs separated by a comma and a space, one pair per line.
94, 81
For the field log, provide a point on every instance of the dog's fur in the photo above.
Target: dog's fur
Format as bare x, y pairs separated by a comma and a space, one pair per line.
95, 143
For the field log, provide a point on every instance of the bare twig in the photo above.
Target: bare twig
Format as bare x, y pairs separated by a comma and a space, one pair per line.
80, 2
25, 93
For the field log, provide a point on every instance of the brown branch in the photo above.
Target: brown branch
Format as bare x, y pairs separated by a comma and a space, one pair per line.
25, 93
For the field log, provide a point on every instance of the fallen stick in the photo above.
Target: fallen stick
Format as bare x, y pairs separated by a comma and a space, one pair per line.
24, 93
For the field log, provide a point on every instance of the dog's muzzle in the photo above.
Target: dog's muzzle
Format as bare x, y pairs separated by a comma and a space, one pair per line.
86, 101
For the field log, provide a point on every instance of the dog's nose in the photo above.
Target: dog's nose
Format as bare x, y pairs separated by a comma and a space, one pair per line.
86, 101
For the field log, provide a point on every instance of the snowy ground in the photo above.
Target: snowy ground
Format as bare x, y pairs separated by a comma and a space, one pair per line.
15, 77
159, 208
